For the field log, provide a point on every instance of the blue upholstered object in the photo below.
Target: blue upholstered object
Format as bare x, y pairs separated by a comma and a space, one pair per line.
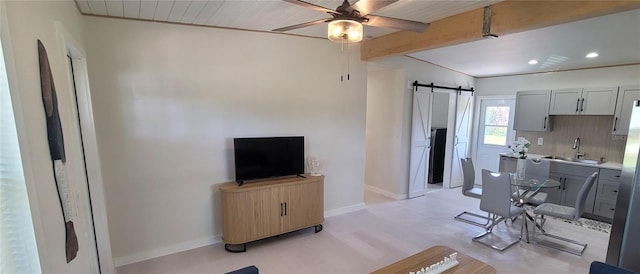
246, 270
602, 268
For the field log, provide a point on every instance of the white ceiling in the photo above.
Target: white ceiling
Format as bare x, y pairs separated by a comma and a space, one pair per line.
616, 37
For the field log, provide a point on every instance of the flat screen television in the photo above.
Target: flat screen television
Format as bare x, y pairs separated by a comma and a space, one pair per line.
266, 157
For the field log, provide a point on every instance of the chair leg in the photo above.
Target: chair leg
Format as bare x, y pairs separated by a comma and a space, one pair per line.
460, 217
524, 228
495, 220
579, 251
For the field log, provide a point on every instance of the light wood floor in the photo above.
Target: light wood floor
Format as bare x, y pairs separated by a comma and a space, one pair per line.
384, 232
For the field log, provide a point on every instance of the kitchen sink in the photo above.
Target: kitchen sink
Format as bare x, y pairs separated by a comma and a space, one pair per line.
569, 159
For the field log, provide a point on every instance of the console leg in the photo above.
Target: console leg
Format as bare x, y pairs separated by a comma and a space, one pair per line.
233, 250
318, 228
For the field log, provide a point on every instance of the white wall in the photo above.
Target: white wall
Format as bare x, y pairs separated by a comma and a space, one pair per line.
26, 22
168, 101
398, 130
385, 115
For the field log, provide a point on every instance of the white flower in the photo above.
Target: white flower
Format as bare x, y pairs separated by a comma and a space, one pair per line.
520, 148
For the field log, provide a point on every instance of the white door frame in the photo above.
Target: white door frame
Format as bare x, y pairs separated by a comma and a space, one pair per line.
94, 172
476, 120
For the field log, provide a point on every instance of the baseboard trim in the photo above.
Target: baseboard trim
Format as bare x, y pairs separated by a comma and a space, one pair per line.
166, 250
343, 210
188, 245
386, 193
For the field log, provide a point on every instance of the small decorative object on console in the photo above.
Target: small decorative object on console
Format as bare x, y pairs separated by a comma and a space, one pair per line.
441, 266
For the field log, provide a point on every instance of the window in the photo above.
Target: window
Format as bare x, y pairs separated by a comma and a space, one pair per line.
496, 124
18, 252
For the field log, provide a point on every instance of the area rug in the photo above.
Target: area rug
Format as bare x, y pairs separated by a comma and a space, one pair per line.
588, 223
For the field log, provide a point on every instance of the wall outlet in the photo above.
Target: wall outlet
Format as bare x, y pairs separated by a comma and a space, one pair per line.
540, 141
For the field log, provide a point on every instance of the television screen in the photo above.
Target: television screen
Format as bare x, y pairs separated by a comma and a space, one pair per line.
257, 158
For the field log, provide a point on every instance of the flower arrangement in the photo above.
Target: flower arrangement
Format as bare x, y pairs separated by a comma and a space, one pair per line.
520, 148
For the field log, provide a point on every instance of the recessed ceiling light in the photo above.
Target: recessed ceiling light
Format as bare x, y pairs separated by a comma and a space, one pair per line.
592, 55
533, 62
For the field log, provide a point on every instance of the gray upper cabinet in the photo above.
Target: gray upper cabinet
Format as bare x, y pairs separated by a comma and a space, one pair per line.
565, 101
532, 111
622, 116
589, 101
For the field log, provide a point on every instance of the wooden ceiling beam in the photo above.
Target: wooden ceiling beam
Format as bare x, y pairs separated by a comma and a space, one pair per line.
507, 17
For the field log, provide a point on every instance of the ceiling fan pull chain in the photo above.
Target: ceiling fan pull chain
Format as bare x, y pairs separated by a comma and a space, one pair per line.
348, 60
342, 61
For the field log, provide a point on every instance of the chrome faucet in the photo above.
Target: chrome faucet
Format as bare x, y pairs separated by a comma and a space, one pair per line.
576, 146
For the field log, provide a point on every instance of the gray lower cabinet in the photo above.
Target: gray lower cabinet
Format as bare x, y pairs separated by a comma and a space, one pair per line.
571, 178
606, 194
508, 164
601, 200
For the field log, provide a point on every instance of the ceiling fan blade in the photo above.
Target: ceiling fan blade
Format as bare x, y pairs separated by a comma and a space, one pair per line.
368, 6
395, 23
303, 25
311, 6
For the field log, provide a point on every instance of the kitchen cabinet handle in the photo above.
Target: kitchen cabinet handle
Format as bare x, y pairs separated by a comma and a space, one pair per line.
577, 104
582, 105
612, 209
544, 124
285, 209
281, 210
615, 191
615, 124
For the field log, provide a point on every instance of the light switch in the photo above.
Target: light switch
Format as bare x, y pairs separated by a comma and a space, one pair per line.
540, 141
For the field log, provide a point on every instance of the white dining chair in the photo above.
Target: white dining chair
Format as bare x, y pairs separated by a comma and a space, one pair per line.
496, 200
538, 168
566, 212
469, 190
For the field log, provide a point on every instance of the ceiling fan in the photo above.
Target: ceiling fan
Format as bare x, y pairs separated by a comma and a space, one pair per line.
347, 19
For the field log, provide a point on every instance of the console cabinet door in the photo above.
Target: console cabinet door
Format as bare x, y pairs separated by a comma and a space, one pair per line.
250, 215
304, 205
622, 117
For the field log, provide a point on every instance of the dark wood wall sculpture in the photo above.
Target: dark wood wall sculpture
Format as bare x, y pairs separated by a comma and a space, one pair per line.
56, 148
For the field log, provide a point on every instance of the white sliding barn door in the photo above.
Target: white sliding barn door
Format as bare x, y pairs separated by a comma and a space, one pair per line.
420, 143
461, 143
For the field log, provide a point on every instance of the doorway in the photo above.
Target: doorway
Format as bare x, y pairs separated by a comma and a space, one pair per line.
440, 118
432, 140
495, 132
91, 205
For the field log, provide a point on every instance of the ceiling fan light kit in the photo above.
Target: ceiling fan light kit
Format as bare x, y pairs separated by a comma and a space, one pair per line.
346, 24
344, 31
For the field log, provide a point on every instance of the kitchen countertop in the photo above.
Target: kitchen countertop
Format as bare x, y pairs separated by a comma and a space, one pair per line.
607, 164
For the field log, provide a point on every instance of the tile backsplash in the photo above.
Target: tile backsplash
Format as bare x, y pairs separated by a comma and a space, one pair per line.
596, 140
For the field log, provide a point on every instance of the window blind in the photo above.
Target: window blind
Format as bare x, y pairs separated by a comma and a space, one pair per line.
18, 251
